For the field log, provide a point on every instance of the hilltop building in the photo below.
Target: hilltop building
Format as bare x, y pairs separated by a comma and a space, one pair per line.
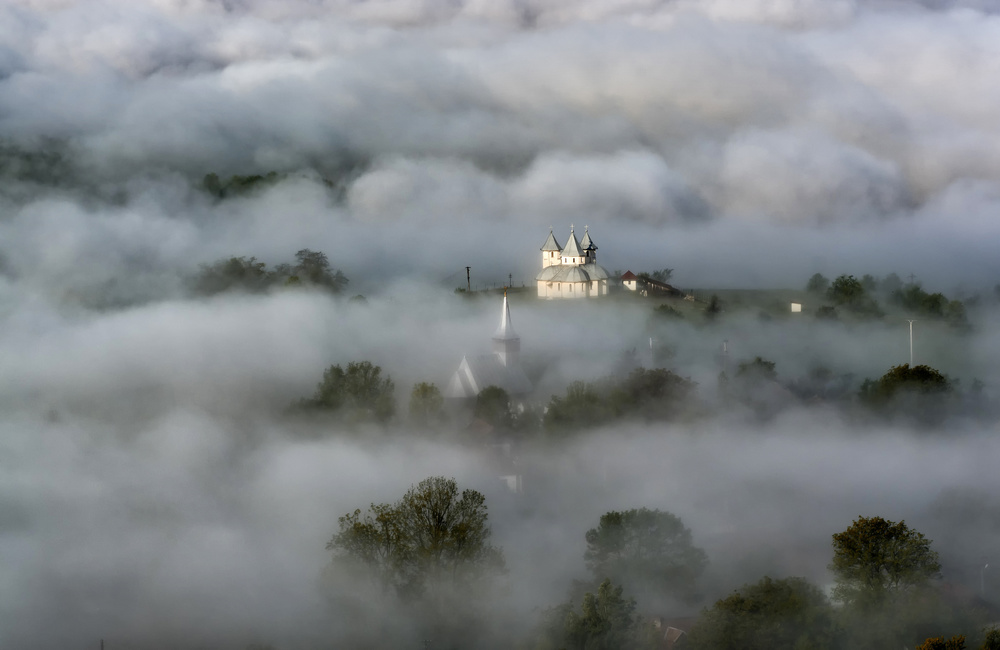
573, 271
502, 368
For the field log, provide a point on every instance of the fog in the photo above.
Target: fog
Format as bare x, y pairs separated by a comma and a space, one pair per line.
156, 491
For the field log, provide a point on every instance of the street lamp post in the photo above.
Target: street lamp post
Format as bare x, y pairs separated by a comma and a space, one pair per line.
911, 340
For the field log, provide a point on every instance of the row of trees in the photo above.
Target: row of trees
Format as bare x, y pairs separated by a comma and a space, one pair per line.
433, 546
360, 393
246, 274
858, 297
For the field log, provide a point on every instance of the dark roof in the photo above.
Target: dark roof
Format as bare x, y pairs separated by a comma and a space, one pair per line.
630, 276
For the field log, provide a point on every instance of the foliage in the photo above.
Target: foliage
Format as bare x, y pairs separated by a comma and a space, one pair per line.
358, 393
234, 274
714, 307
903, 381
869, 283
790, 613
876, 561
493, 406
940, 643
662, 275
817, 283
606, 621
760, 369
890, 284
849, 292
934, 305
582, 407
656, 394
239, 185
992, 639
433, 536
246, 274
827, 312
667, 312
648, 551
426, 405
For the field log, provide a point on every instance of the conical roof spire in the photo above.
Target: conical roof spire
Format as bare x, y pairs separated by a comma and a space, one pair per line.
572, 246
586, 243
506, 330
551, 244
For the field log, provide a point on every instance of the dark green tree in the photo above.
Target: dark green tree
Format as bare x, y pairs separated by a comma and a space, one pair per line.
313, 268
904, 383
357, 393
233, 274
434, 537
714, 307
582, 407
650, 552
817, 283
992, 639
605, 622
790, 613
426, 405
876, 562
760, 369
493, 407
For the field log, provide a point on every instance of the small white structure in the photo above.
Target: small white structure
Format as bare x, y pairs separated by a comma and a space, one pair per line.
571, 272
630, 281
502, 368
796, 307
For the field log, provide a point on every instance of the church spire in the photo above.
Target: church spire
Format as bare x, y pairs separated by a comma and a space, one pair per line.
506, 342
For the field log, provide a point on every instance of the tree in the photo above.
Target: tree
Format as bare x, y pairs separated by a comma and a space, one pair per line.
940, 643
358, 393
875, 562
434, 536
493, 407
582, 407
648, 551
760, 369
714, 307
313, 268
992, 639
426, 405
849, 292
233, 274
606, 621
790, 613
903, 381
817, 283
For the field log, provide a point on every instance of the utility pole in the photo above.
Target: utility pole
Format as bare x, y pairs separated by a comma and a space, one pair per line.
468, 279
510, 279
911, 340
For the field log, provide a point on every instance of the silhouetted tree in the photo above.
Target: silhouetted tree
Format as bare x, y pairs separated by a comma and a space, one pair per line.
875, 561
426, 405
817, 283
357, 393
648, 551
771, 614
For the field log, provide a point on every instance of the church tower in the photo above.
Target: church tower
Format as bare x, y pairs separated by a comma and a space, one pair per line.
589, 249
551, 251
506, 343
572, 253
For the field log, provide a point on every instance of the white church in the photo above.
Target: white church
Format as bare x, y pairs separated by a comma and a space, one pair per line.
573, 271
502, 368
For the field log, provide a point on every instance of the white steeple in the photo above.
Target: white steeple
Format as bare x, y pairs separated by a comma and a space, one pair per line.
506, 343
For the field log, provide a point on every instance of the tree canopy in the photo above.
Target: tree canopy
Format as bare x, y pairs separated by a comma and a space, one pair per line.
357, 393
606, 621
650, 552
246, 274
433, 536
790, 613
875, 561
426, 405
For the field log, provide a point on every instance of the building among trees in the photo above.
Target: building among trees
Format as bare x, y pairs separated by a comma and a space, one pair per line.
502, 368
571, 272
